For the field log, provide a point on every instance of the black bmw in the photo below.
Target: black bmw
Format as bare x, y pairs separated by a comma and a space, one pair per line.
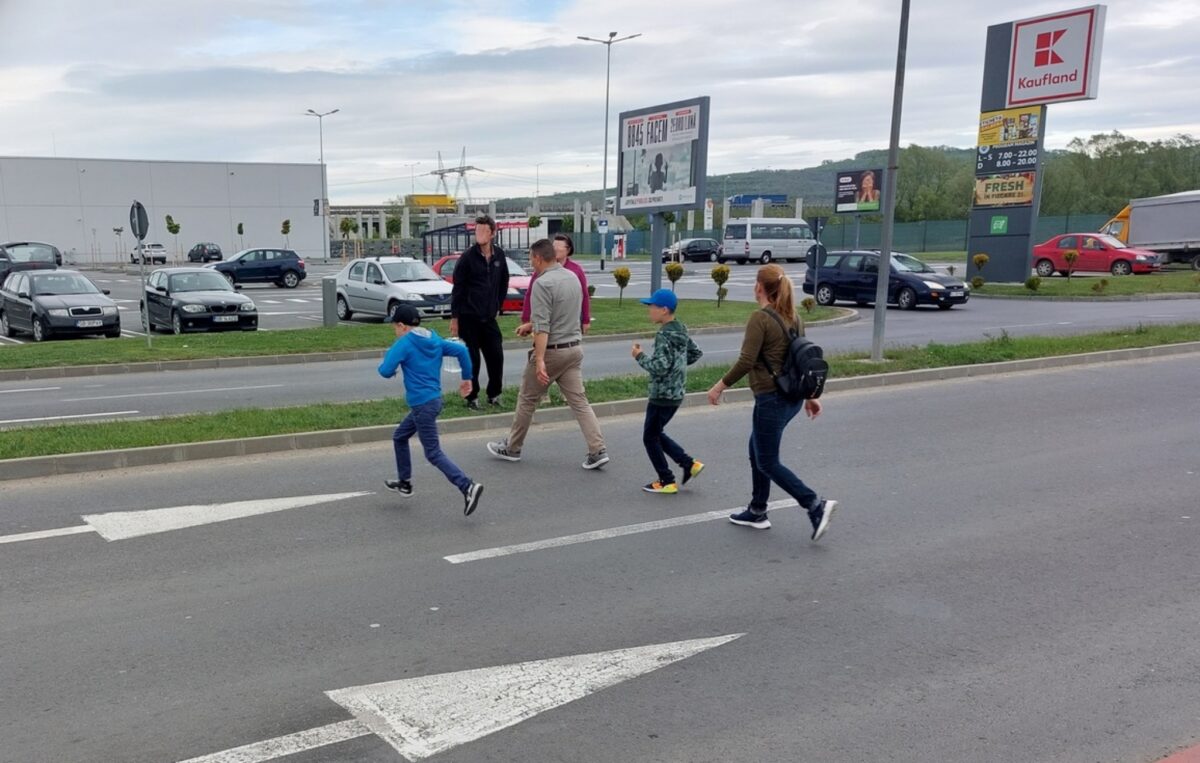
196, 299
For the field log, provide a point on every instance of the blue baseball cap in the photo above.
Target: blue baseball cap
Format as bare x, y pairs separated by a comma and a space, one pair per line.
662, 298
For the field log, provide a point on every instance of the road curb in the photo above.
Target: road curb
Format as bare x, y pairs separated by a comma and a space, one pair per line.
79, 463
116, 369
1114, 298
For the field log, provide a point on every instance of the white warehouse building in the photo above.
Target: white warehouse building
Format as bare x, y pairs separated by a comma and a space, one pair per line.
76, 203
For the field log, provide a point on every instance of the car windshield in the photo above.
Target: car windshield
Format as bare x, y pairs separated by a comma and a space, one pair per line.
1112, 242
31, 253
515, 270
906, 264
199, 282
61, 283
407, 272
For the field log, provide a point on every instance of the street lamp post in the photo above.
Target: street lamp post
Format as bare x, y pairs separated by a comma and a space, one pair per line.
612, 39
412, 176
324, 188
537, 179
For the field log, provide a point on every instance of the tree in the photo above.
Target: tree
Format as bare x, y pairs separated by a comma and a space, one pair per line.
621, 276
285, 229
568, 224
394, 226
1070, 256
347, 226
173, 228
674, 273
241, 230
534, 222
720, 274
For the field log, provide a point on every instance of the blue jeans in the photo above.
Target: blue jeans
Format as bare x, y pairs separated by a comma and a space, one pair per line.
771, 416
659, 446
422, 421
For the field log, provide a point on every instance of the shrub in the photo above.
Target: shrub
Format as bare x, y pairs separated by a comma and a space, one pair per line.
808, 303
1033, 283
722, 293
950, 269
1100, 286
591, 290
977, 282
720, 274
980, 260
621, 276
534, 222
674, 273
1070, 257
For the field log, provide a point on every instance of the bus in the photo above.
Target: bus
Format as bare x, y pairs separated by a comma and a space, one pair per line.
766, 239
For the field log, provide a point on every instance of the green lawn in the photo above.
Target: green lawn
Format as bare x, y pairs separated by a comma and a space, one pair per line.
608, 317
75, 438
1083, 286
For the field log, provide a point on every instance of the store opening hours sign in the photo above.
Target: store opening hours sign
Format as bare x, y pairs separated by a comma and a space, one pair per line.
663, 157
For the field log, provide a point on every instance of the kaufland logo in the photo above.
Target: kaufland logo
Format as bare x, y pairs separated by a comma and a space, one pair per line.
1054, 58
1045, 55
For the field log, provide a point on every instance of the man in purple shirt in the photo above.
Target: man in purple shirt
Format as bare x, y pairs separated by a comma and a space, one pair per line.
563, 249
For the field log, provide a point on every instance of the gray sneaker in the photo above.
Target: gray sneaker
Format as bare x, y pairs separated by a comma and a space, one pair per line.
500, 450
595, 460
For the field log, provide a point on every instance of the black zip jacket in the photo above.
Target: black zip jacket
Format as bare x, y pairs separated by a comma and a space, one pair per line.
479, 287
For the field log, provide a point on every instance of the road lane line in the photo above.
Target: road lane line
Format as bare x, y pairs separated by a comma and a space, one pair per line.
174, 392
73, 416
613, 532
42, 534
289, 744
29, 389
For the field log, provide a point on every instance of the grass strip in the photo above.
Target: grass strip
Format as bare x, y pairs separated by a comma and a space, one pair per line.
1169, 282
257, 422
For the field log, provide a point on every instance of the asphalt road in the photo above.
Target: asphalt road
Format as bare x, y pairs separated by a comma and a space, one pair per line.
1012, 577
146, 394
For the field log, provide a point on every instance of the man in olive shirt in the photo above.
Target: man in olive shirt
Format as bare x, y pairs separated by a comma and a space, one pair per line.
556, 299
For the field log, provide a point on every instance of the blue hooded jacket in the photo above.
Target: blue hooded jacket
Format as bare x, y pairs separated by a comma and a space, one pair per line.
419, 355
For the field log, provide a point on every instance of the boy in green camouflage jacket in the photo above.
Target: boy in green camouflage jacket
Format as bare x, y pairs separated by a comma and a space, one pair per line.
674, 351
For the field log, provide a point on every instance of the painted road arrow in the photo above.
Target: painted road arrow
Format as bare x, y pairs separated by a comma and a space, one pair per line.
122, 525
420, 717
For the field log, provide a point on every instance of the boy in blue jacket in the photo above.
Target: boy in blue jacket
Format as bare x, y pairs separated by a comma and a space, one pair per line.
418, 353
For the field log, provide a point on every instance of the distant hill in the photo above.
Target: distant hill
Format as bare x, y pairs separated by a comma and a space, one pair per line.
813, 184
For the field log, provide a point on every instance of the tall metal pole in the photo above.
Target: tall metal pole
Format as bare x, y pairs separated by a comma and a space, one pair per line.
889, 193
324, 181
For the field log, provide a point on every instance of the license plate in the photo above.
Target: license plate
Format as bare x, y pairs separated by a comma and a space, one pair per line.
956, 294
225, 318
89, 324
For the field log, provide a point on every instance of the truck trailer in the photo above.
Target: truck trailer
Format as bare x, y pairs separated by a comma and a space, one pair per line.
1169, 225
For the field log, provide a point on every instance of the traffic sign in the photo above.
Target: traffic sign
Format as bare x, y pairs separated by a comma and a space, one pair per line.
139, 222
602, 226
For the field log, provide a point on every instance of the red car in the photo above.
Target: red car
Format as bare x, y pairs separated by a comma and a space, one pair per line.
1097, 252
518, 281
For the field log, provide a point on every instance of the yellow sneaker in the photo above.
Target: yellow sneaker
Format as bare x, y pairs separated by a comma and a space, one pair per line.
669, 488
697, 467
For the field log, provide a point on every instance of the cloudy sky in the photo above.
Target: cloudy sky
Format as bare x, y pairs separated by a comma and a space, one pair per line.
793, 82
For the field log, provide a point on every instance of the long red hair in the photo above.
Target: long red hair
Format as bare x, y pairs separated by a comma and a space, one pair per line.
779, 290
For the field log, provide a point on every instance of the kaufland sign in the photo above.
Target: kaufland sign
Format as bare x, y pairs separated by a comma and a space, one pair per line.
1056, 58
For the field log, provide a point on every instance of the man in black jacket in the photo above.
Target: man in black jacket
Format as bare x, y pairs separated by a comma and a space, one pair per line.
480, 285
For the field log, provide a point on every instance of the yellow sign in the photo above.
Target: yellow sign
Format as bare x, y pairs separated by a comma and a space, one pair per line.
1004, 190
429, 200
1003, 128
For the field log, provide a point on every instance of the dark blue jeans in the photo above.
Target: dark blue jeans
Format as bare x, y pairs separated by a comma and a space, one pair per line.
659, 446
422, 421
771, 416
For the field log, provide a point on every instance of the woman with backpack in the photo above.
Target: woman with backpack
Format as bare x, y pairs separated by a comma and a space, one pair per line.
768, 339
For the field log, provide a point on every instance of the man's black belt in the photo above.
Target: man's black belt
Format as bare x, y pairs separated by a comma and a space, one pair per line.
562, 345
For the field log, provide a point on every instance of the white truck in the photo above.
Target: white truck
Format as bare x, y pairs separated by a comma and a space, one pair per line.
1169, 225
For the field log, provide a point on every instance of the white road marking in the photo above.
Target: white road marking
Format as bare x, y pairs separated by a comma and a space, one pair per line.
614, 532
271, 301
421, 717
29, 389
301, 301
43, 534
10, 340
173, 392
130, 333
73, 416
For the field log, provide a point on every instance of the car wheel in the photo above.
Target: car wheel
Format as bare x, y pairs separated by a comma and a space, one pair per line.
1044, 268
1121, 268
343, 309
229, 277
765, 259
291, 280
1196, 262
113, 333
713, 257
906, 299
41, 332
742, 262
824, 295
5, 327
720, 260
176, 323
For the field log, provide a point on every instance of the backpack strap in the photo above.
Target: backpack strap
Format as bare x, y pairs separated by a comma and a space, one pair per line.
788, 334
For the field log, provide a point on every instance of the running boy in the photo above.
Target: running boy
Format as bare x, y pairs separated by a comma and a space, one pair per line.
418, 353
674, 351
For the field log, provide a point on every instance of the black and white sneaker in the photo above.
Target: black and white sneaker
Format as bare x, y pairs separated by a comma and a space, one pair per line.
403, 487
500, 450
495, 402
595, 460
750, 518
472, 405
820, 516
471, 498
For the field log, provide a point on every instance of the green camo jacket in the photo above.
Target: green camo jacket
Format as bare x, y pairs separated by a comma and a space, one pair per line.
674, 351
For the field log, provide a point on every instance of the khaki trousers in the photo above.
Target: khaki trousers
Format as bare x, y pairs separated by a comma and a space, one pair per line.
565, 368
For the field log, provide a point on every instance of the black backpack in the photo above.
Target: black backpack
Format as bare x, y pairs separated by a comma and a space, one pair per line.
804, 368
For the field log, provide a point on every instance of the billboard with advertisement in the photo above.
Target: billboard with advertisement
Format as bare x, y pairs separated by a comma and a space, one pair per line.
663, 157
1056, 58
1007, 190
1008, 140
857, 190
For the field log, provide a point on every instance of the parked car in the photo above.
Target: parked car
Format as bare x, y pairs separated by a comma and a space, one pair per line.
694, 250
854, 275
27, 255
1097, 253
196, 299
374, 286
205, 251
49, 303
518, 281
151, 254
282, 267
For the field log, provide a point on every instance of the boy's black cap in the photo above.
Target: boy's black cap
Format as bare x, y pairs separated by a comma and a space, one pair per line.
406, 314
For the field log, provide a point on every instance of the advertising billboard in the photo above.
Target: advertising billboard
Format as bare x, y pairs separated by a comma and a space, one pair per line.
1056, 58
857, 191
1008, 140
663, 157
1005, 190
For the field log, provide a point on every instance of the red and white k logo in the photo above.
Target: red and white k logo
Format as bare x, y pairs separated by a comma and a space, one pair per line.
1044, 54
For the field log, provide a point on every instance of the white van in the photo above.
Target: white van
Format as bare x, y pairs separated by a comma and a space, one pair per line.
765, 239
